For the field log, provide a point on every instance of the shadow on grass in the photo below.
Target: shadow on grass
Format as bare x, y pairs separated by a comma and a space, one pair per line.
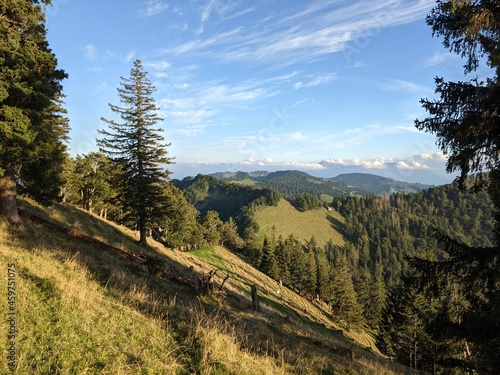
71, 217
336, 224
119, 277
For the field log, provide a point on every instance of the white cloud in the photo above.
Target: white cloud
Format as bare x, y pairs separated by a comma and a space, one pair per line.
130, 56
189, 131
378, 163
357, 64
302, 33
190, 116
269, 162
198, 101
321, 79
158, 65
152, 8
415, 162
437, 59
90, 52
401, 85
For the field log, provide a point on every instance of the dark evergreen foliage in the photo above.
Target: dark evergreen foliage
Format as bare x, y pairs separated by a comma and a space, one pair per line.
229, 200
465, 283
33, 128
385, 230
305, 202
292, 183
136, 146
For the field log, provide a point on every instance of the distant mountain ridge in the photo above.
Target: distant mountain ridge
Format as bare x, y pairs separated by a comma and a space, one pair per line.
291, 182
379, 185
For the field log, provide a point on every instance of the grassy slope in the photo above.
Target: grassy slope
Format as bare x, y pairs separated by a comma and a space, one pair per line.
81, 310
321, 224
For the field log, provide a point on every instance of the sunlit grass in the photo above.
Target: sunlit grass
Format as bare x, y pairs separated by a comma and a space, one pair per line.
209, 255
68, 324
83, 311
287, 220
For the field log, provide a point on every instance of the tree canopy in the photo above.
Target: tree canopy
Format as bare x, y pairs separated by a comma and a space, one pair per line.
137, 147
465, 119
32, 123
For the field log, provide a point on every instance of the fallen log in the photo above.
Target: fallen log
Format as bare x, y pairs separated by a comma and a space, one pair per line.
80, 236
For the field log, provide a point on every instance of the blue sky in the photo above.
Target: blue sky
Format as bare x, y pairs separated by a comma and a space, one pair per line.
327, 87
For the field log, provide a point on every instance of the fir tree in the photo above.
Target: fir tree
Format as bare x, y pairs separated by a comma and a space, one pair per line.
32, 123
269, 263
136, 146
344, 300
177, 222
465, 119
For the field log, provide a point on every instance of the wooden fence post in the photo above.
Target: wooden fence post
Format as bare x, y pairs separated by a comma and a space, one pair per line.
255, 299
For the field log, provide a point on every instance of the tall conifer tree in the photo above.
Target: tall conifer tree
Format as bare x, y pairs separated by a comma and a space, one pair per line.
135, 144
32, 123
466, 121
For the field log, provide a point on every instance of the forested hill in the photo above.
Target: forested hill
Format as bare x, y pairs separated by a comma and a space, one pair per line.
208, 193
291, 183
377, 184
383, 231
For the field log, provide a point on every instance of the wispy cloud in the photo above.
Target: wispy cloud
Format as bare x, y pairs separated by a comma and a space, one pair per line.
90, 51
189, 131
193, 102
157, 65
402, 85
357, 64
360, 135
437, 59
152, 7
316, 81
301, 33
189, 116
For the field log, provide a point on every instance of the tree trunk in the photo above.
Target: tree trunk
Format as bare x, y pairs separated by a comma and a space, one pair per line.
8, 192
142, 229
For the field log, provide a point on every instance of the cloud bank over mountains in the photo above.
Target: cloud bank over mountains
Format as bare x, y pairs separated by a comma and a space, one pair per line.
423, 168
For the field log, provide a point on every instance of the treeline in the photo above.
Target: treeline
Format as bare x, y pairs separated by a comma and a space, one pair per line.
207, 212
383, 231
292, 183
323, 273
305, 202
229, 200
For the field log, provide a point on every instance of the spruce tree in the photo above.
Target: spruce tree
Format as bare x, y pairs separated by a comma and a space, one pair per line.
269, 263
465, 119
136, 146
33, 128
